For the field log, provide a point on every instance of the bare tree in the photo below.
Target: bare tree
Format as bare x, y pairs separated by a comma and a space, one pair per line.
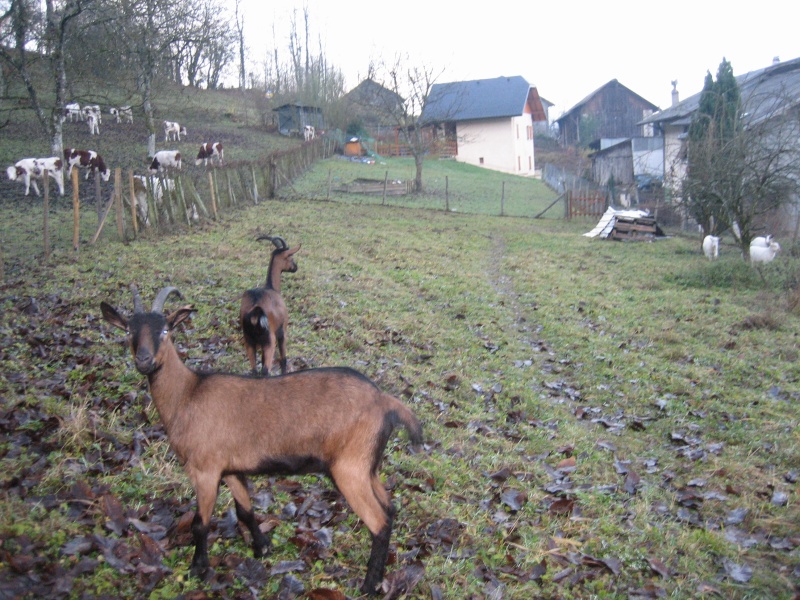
742, 179
205, 47
240, 34
145, 33
412, 84
20, 27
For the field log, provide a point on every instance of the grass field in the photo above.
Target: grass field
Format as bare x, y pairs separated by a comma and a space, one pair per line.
602, 419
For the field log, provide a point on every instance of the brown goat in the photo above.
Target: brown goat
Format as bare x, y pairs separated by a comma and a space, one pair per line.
223, 427
263, 314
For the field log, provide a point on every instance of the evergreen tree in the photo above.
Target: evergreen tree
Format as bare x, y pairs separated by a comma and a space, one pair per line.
714, 126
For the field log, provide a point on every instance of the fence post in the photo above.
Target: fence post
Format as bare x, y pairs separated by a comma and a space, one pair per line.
118, 203
213, 197
98, 195
133, 204
255, 184
567, 203
273, 176
76, 210
385, 179
328, 195
45, 225
503, 200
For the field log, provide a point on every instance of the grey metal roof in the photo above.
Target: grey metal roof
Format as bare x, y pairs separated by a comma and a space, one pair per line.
765, 93
477, 99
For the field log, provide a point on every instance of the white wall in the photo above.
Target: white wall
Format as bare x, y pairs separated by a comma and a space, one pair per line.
499, 144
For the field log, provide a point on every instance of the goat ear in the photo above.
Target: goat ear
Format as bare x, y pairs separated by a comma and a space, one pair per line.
293, 250
179, 316
111, 315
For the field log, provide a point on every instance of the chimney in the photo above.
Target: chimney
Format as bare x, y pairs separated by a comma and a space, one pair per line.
776, 60
675, 98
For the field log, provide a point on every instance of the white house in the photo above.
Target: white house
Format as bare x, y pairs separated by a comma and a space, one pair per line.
491, 121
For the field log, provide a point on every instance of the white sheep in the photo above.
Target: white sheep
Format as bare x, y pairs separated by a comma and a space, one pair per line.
764, 254
762, 240
711, 247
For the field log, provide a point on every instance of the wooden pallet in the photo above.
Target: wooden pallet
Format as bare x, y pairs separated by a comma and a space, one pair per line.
632, 229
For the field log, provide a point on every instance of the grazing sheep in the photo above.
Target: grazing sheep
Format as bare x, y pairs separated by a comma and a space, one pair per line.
764, 254
711, 247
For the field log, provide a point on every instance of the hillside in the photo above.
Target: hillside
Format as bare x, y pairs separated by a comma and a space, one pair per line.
240, 121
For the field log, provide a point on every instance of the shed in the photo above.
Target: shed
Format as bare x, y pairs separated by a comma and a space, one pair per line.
292, 118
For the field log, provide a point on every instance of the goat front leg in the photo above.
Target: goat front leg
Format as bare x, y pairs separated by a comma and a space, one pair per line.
206, 487
237, 484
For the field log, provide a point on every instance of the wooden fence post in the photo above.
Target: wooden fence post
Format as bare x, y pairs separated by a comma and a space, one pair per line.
45, 225
273, 176
133, 204
328, 195
118, 203
385, 180
213, 197
567, 204
76, 210
503, 200
98, 195
447, 193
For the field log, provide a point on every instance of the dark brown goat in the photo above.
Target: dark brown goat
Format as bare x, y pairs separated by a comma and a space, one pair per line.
263, 315
223, 427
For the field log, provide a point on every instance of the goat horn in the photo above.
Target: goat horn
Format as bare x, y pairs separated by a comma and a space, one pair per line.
158, 303
277, 240
137, 300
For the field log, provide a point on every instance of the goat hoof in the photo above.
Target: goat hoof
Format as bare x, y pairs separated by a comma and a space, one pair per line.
369, 590
199, 569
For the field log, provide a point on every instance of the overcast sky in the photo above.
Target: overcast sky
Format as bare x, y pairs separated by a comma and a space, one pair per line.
566, 49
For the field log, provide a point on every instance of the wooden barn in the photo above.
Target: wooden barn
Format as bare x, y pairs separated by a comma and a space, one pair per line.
612, 111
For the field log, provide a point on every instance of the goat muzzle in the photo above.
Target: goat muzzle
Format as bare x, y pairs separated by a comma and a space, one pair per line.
145, 362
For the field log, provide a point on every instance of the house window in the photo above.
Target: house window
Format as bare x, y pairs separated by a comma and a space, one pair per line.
517, 131
530, 132
480, 160
530, 163
519, 164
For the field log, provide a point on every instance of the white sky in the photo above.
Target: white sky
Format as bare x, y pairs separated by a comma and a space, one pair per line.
566, 49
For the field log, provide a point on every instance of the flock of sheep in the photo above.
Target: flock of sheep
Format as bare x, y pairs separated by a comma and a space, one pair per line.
763, 249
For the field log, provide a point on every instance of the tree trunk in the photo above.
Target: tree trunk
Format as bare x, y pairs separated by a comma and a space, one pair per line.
418, 159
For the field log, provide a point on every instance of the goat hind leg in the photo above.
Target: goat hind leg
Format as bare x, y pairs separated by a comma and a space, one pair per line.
251, 356
281, 341
369, 500
267, 357
237, 484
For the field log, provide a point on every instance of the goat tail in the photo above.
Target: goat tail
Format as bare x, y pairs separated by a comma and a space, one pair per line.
404, 416
255, 324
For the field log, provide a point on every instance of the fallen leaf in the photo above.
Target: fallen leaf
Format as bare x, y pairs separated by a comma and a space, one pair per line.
739, 573
659, 567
